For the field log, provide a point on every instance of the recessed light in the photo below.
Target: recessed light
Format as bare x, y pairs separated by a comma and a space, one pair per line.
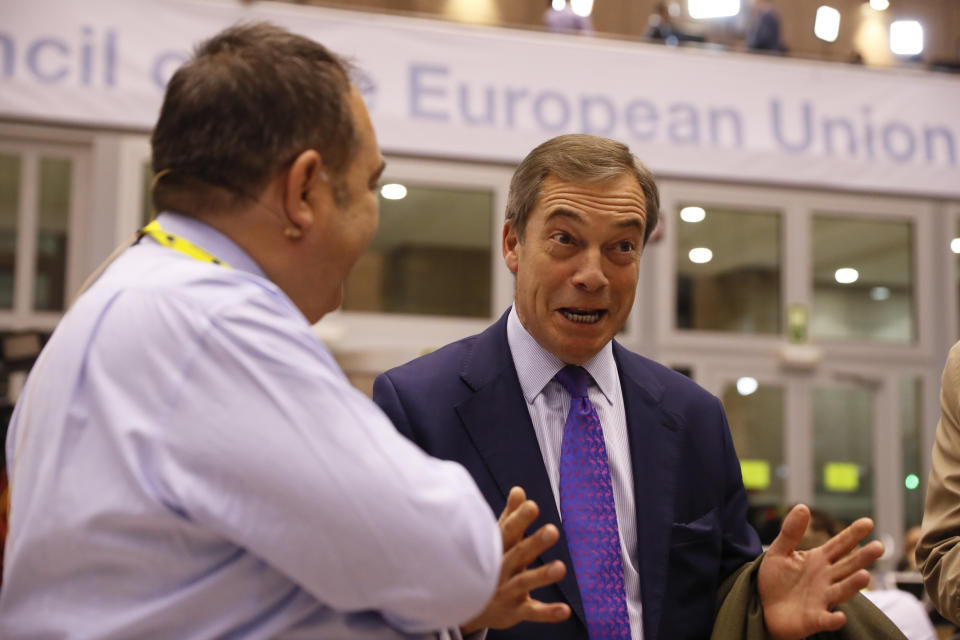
701, 9
700, 255
692, 214
393, 191
747, 385
846, 275
906, 37
827, 26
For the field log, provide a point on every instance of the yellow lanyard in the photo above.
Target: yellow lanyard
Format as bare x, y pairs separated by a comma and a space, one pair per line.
167, 239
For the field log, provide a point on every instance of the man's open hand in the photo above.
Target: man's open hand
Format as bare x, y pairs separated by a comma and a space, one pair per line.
799, 589
511, 602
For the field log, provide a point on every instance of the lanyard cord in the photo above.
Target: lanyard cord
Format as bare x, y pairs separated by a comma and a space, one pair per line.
167, 239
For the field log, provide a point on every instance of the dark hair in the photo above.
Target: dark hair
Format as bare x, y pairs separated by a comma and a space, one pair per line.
821, 528
577, 157
250, 100
824, 522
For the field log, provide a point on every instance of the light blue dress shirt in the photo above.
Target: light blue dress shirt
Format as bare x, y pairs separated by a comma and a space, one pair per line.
548, 404
188, 461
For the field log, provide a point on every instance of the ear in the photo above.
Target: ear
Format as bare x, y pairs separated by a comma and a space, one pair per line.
303, 176
511, 247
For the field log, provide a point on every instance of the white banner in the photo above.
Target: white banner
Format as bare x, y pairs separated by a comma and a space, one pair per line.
439, 89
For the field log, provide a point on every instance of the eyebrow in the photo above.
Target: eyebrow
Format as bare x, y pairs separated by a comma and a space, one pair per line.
632, 222
565, 213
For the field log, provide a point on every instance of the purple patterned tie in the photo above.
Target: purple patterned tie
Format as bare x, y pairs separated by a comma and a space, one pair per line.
589, 515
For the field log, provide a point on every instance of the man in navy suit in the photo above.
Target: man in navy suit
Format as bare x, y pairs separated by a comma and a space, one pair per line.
580, 211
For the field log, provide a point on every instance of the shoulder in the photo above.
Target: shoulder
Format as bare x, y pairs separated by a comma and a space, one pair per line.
165, 307
150, 277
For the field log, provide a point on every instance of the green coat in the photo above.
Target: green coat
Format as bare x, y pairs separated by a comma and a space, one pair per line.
740, 616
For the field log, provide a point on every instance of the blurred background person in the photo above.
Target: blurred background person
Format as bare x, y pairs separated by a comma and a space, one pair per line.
908, 561
660, 24
559, 17
763, 33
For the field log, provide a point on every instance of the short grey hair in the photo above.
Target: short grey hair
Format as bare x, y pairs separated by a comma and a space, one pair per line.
577, 157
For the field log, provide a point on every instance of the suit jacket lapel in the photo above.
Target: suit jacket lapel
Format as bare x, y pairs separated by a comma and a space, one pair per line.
654, 448
497, 420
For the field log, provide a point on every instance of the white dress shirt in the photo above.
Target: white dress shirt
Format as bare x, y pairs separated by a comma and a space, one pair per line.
548, 403
905, 611
188, 461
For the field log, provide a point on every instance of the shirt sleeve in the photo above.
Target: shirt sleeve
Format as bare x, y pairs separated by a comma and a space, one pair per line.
267, 444
938, 553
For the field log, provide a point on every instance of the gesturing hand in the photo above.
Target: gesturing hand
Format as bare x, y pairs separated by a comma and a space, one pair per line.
799, 589
511, 602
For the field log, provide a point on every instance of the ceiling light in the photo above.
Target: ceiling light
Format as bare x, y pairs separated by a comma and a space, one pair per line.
393, 191
692, 214
558, 5
879, 5
827, 26
906, 37
746, 385
700, 255
846, 275
955, 245
701, 9
582, 7
880, 293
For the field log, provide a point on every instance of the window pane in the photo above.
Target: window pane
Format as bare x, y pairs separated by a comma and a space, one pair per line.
431, 255
728, 270
911, 419
755, 414
843, 451
862, 280
9, 210
52, 224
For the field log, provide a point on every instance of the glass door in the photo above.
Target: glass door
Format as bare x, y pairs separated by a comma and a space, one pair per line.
829, 439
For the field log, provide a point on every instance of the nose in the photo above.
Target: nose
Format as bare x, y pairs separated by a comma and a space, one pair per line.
589, 276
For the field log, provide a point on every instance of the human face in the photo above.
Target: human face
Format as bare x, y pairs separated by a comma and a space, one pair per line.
578, 263
355, 209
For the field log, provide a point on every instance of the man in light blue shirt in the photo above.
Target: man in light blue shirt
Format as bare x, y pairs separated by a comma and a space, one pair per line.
188, 460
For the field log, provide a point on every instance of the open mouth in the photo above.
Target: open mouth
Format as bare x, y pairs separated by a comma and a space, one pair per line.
582, 316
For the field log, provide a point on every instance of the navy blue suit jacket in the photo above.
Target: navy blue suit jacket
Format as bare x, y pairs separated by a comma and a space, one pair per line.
464, 403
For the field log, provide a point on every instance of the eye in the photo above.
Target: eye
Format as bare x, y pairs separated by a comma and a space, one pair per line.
625, 246
562, 237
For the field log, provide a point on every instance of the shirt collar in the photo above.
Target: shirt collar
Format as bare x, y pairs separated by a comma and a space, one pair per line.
536, 366
210, 240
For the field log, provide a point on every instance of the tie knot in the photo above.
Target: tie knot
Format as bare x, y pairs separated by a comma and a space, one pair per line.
574, 379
